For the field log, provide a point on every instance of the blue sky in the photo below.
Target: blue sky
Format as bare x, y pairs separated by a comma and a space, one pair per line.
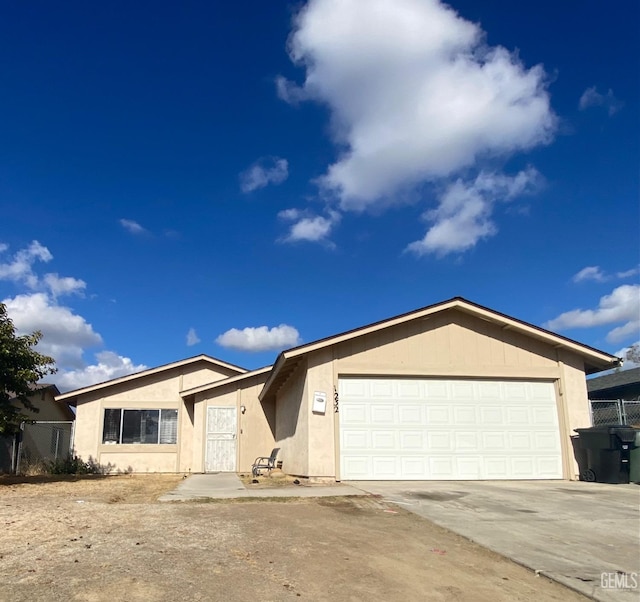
236, 178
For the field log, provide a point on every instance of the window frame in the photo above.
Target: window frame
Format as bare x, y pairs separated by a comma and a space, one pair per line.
119, 412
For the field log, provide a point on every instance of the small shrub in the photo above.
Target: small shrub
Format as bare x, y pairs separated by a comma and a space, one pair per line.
33, 467
73, 465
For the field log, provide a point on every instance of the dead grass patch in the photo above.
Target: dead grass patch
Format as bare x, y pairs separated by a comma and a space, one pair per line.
112, 489
275, 479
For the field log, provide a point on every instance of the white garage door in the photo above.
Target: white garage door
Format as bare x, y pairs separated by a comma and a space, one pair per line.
415, 429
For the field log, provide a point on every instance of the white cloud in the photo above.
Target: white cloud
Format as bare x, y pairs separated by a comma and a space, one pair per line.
463, 216
628, 273
109, 365
308, 226
192, 337
415, 96
261, 338
592, 272
622, 305
596, 274
592, 98
20, 269
265, 171
64, 285
132, 226
64, 334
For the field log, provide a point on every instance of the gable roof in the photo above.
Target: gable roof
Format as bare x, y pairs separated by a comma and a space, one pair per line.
70, 395
53, 389
617, 383
595, 360
225, 381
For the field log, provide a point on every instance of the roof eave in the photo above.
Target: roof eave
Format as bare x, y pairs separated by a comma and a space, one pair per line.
598, 360
74, 394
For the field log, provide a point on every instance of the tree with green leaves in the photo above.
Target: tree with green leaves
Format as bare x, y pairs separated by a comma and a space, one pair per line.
21, 367
633, 354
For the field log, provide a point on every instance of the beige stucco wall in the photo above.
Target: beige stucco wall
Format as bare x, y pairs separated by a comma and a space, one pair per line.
448, 345
156, 391
292, 423
256, 427
49, 408
572, 391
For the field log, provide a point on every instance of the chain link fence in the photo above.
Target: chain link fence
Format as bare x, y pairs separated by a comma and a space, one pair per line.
35, 446
606, 412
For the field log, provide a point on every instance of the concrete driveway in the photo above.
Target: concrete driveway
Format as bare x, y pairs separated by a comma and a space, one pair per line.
572, 532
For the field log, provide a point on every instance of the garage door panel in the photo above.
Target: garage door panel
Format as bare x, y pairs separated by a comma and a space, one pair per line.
385, 467
355, 440
541, 391
381, 389
440, 468
546, 442
544, 416
548, 467
491, 415
438, 414
383, 440
494, 442
412, 441
435, 389
521, 467
448, 429
496, 468
354, 413
354, 389
357, 466
413, 467
439, 441
409, 390
382, 413
521, 441
410, 414
468, 467
517, 416
465, 441
462, 389
465, 414
489, 390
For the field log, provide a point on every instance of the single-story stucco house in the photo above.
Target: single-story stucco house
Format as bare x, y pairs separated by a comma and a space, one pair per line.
450, 391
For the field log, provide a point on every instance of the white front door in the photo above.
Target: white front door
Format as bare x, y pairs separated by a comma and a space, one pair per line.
221, 439
448, 429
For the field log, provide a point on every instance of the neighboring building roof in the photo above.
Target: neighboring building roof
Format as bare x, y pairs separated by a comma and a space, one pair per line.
595, 360
225, 381
618, 385
42, 387
39, 387
191, 360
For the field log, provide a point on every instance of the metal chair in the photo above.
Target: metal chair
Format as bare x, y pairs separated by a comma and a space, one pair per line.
267, 463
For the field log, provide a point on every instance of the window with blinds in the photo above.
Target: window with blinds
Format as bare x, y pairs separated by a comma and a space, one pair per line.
126, 426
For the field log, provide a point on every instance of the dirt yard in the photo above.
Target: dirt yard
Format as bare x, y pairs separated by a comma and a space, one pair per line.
108, 539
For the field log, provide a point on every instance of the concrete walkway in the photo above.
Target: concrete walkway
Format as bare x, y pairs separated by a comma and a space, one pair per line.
227, 485
583, 535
